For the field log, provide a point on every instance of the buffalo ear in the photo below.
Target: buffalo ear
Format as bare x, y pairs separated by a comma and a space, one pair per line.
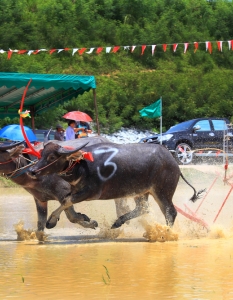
4, 147
64, 151
15, 152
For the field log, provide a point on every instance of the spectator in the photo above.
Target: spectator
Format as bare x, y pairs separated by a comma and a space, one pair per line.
83, 128
59, 134
70, 130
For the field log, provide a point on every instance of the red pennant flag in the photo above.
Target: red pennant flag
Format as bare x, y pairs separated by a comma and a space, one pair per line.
52, 50
9, 53
99, 50
143, 49
209, 47
175, 47
115, 49
67, 49
36, 52
219, 43
195, 46
164, 47
22, 51
81, 51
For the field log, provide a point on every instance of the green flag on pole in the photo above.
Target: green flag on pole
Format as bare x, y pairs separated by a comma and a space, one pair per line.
152, 111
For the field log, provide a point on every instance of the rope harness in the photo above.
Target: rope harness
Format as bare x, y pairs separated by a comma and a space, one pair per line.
47, 165
18, 170
72, 163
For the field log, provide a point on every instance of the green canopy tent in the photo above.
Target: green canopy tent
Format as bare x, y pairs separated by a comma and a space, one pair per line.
45, 91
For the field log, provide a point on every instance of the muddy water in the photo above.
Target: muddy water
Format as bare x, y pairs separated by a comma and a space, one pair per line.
73, 262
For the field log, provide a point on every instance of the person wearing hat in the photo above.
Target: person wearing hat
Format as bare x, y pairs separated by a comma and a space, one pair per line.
59, 134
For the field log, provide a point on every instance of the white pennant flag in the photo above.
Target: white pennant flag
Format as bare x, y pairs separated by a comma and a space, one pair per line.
108, 49
2, 51
59, 50
153, 49
186, 47
132, 48
30, 52
74, 51
43, 50
90, 51
126, 48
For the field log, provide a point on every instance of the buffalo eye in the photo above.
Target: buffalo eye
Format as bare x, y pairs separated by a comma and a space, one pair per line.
51, 157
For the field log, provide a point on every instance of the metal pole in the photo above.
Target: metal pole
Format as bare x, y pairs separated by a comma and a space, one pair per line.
96, 112
161, 121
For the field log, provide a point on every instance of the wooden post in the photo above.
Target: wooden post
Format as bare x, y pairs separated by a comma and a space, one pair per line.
96, 112
32, 113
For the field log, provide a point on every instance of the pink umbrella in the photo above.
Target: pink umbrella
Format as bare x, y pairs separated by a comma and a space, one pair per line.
77, 116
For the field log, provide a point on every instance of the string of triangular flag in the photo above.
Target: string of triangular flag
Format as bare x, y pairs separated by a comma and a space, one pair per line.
114, 49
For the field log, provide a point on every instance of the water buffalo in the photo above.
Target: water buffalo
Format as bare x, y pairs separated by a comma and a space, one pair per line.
121, 204
50, 187
13, 166
117, 171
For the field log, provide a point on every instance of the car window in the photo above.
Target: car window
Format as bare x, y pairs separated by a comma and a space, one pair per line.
204, 124
219, 125
180, 127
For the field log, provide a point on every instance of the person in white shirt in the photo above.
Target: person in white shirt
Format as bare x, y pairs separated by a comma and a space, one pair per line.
70, 130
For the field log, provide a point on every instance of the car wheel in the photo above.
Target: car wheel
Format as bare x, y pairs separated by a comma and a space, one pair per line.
183, 154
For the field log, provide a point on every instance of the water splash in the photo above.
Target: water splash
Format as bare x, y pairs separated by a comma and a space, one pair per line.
159, 233
28, 234
107, 233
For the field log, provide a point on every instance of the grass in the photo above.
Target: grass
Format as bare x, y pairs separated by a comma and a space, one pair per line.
106, 280
6, 183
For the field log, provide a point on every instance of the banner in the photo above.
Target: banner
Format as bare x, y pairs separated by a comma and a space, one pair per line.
152, 111
115, 49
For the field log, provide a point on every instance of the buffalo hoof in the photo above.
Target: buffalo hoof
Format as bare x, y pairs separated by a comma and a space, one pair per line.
117, 224
92, 224
52, 222
86, 218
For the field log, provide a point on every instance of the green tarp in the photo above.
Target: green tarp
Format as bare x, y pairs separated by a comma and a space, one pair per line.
45, 91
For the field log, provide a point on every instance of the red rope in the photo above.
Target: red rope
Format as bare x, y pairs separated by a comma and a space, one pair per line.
6, 162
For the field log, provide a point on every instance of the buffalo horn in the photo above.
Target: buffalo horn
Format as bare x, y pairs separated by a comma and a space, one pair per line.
9, 146
63, 151
47, 135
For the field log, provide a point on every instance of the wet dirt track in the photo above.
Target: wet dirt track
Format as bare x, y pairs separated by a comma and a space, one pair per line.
80, 263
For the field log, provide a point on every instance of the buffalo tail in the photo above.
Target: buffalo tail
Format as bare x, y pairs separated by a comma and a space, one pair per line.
196, 195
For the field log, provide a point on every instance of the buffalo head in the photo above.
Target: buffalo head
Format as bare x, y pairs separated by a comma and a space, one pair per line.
55, 159
8, 152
